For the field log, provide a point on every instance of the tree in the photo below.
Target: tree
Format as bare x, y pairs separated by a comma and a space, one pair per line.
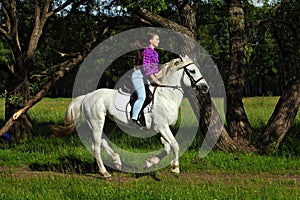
284, 26
23, 62
282, 118
237, 120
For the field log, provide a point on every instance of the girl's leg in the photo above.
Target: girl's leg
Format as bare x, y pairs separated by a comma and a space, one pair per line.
138, 82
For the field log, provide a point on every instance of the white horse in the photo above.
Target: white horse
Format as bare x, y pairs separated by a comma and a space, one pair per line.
73, 121
175, 76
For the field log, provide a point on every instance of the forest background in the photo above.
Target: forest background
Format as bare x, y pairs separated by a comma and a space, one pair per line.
256, 50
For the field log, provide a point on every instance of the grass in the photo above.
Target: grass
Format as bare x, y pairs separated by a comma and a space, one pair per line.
217, 176
259, 110
61, 168
70, 187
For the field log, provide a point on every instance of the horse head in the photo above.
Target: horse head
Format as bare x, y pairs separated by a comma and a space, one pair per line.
192, 76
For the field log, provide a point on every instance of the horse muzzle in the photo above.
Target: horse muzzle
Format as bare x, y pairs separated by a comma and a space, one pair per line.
202, 88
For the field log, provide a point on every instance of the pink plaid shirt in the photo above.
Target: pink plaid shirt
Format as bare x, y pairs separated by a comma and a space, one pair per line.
150, 61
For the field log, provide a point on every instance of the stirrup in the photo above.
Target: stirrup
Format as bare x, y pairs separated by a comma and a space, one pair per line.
136, 122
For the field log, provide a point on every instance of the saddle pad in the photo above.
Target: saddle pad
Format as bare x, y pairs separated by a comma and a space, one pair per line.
122, 101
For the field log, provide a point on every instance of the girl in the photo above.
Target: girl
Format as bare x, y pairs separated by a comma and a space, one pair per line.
148, 69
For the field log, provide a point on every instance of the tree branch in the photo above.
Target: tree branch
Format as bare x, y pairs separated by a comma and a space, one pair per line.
162, 22
63, 68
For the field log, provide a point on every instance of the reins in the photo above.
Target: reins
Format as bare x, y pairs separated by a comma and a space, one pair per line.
186, 71
167, 86
155, 85
193, 81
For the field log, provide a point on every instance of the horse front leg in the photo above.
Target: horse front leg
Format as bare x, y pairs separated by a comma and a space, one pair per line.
166, 133
155, 159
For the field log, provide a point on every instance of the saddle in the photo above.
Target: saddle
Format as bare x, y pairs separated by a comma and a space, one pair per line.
125, 96
134, 97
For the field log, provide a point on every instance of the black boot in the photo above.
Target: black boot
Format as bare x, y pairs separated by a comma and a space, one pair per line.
136, 122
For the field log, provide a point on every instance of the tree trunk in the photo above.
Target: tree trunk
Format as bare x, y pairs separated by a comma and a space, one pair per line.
187, 15
211, 124
18, 95
16, 99
237, 120
282, 118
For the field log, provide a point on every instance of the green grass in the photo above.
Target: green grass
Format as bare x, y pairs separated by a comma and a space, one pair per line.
217, 176
259, 110
50, 110
78, 187
46, 168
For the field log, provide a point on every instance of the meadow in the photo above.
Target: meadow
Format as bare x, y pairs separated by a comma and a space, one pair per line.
43, 167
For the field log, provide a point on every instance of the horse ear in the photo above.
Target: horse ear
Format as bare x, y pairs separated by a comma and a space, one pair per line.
184, 58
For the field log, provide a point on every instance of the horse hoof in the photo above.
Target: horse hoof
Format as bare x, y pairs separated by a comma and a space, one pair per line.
119, 167
175, 170
148, 164
106, 175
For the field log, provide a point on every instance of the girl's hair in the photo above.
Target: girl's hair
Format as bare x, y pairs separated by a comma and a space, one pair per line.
140, 45
139, 48
150, 36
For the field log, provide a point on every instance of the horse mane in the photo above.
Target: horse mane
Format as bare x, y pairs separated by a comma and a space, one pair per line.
166, 69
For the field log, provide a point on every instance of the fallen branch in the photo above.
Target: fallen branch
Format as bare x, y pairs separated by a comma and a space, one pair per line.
65, 67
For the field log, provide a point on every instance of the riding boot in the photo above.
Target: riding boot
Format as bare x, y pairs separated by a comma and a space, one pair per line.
136, 122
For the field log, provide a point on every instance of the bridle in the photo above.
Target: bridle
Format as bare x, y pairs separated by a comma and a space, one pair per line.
193, 81
187, 72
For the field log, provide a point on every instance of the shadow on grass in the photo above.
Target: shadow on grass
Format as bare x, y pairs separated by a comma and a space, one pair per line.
67, 164
71, 165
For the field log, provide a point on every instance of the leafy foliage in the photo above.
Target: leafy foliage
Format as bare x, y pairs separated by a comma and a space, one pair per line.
272, 38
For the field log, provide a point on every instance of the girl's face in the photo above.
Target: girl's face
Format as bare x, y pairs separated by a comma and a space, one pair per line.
155, 41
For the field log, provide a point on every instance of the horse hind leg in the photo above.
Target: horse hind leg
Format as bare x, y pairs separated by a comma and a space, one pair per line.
115, 156
108, 129
97, 128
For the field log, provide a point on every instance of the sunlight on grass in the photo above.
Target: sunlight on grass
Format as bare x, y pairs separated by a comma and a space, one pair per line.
259, 109
60, 168
50, 110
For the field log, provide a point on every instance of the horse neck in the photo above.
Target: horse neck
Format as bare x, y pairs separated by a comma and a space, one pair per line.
172, 94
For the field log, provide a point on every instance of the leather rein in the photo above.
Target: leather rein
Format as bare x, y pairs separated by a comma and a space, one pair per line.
193, 81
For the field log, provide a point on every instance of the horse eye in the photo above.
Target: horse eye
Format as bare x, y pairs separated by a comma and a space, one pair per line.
176, 63
192, 71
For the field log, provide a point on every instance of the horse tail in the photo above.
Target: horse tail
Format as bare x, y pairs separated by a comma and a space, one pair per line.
60, 131
71, 119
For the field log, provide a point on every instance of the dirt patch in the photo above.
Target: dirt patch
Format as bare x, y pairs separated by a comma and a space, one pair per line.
184, 177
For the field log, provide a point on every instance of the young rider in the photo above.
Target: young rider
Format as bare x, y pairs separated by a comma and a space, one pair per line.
148, 69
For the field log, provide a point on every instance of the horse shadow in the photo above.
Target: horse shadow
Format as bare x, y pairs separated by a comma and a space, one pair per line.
69, 165
73, 165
